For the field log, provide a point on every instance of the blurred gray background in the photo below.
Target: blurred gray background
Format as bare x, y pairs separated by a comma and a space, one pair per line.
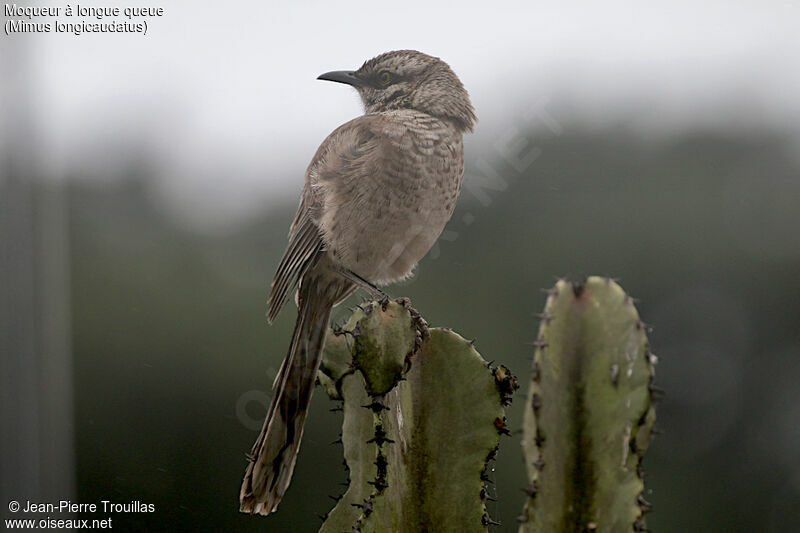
148, 182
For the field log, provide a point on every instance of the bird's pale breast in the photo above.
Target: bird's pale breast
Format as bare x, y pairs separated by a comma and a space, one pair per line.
396, 183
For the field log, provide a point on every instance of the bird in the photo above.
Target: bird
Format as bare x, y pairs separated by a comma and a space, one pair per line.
377, 195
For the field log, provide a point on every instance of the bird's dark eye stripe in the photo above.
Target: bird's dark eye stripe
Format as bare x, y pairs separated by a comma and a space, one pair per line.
392, 97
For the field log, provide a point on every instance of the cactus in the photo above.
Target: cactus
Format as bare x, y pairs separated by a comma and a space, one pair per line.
423, 415
589, 413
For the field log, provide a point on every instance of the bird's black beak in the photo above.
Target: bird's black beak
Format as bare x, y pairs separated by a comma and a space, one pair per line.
342, 76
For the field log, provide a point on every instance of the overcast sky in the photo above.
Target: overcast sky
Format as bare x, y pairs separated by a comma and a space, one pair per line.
224, 93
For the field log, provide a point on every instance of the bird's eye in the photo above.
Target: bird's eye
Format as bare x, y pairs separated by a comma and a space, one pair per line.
384, 78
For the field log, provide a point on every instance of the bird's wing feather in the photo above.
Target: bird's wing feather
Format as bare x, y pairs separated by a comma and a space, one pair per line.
305, 243
351, 142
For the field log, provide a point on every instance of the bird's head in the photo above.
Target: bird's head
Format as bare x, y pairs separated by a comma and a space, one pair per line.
407, 79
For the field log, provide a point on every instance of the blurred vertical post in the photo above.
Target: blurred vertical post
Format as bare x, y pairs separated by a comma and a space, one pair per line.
36, 439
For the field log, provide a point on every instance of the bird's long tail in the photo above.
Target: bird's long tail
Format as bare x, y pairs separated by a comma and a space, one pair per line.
274, 454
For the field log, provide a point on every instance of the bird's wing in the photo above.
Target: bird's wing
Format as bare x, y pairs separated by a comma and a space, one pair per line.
342, 155
305, 243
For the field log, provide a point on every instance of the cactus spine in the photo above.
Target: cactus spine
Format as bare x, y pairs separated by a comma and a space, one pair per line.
589, 413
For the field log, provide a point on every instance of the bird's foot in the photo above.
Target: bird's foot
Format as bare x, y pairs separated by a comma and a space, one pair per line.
368, 286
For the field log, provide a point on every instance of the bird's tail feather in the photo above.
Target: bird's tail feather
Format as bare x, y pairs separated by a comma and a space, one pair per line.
274, 454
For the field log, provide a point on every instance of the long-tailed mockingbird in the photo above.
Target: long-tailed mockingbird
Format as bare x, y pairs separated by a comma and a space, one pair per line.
377, 194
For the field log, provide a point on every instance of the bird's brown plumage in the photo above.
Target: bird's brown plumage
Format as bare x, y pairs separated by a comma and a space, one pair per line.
377, 194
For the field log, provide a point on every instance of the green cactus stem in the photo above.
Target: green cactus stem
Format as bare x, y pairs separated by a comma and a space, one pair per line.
423, 415
589, 413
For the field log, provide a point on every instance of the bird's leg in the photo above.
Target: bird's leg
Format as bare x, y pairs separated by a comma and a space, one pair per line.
374, 291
